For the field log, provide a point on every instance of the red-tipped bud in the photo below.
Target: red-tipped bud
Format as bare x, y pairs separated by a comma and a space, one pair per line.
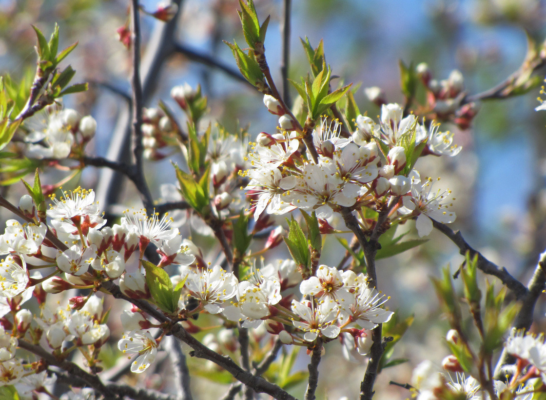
450, 363
76, 303
274, 327
327, 149
165, 12
265, 139
222, 201
275, 238
56, 285
273, 105
190, 327
40, 294
124, 35
324, 227
24, 318
6, 324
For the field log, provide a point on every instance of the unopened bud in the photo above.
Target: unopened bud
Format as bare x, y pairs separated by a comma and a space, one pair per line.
273, 105
55, 336
40, 294
115, 268
94, 305
400, 185
274, 327
286, 123
70, 117
444, 107
375, 95
76, 303
182, 93
88, 127
131, 321
397, 158
222, 200
26, 205
124, 35
133, 284
56, 285
423, 71
219, 173
228, 339
165, 124
265, 139
324, 227
165, 11
327, 149
24, 318
450, 363
152, 115
94, 237
275, 238
456, 82
285, 337
382, 186
452, 336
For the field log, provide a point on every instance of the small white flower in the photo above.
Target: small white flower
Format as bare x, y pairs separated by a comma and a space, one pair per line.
8, 345
364, 308
441, 143
316, 320
142, 345
27, 386
173, 251
270, 187
11, 371
82, 327
22, 239
149, 229
465, 385
426, 204
76, 261
212, 287
77, 207
327, 285
14, 277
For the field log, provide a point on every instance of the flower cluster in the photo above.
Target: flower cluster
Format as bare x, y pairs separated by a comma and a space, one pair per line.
365, 169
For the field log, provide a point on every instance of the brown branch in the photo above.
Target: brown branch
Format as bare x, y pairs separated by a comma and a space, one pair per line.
233, 391
484, 265
180, 369
177, 205
245, 358
285, 60
73, 369
216, 226
258, 384
269, 358
119, 389
313, 371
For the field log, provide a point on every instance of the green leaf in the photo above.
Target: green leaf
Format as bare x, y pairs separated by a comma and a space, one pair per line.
463, 356
408, 79
314, 236
469, 276
7, 130
392, 250
191, 190
64, 78
394, 362
314, 56
9, 393
160, 285
352, 111
336, 95
263, 29
446, 295
250, 23
54, 42
299, 88
43, 47
63, 54
177, 291
77, 88
247, 65
360, 259
218, 377
297, 244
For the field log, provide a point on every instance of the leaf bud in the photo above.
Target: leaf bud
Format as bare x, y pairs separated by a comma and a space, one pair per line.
88, 127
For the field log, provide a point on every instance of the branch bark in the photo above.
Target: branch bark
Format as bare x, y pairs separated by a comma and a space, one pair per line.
180, 369
313, 371
484, 265
285, 60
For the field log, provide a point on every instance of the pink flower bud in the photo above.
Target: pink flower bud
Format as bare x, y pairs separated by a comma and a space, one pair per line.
273, 105
24, 318
274, 327
450, 363
76, 303
165, 12
324, 227
56, 285
124, 35
275, 238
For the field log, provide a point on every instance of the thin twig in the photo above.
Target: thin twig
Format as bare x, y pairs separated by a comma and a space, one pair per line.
209, 61
177, 205
285, 60
112, 88
313, 370
258, 384
233, 391
245, 358
402, 385
354, 245
484, 265
269, 358
216, 226
180, 368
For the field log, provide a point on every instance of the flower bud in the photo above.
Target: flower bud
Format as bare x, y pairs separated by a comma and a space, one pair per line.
386, 171
70, 117
397, 157
219, 173
119, 237
227, 338
400, 185
450, 363
94, 237
324, 227
265, 139
285, 337
181, 94
55, 336
327, 149
371, 151
24, 318
222, 200
456, 82
55, 285
149, 142
131, 245
363, 343
285, 122
88, 126
165, 124
133, 284
152, 115
273, 105
375, 95
115, 268
26, 205
382, 186
452, 336
124, 35
272, 326
275, 238
364, 132
423, 71
76, 303
165, 11
40, 294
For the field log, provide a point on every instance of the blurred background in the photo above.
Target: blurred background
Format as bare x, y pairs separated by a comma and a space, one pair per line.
498, 178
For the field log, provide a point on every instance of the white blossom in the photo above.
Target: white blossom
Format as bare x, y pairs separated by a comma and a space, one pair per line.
364, 308
139, 344
149, 229
212, 287
14, 277
315, 320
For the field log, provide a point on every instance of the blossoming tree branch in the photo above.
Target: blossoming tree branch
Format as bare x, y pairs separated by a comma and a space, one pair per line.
328, 168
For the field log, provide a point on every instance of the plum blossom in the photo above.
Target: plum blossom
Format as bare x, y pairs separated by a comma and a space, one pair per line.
149, 229
364, 308
139, 344
11, 371
426, 204
77, 208
212, 287
76, 261
22, 239
327, 285
14, 277
315, 320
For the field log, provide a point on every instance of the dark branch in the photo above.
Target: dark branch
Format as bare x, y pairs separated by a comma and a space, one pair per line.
210, 61
285, 60
233, 391
177, 205
269, 358
112, 88
313, 371
484, 265
180, 369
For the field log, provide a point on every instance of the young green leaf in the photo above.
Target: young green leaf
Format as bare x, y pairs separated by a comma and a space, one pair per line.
247, 65
77, 88
161, 287
43, 47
